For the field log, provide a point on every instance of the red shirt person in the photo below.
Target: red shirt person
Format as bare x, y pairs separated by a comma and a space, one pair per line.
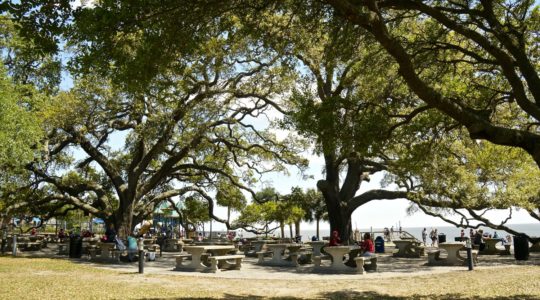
367, 245
334, 239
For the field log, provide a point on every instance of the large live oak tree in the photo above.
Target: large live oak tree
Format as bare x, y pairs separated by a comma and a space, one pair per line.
184, 132
496, 42
348, 99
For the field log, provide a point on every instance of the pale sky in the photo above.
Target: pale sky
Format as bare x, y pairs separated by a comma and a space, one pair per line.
376, 214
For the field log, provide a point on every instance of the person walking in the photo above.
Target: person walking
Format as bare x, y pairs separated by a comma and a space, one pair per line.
424, 236
433, 236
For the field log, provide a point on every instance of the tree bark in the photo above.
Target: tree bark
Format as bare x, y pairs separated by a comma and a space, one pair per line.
317, 226
297, 228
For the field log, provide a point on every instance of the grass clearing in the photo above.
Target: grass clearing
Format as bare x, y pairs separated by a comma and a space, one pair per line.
44, 278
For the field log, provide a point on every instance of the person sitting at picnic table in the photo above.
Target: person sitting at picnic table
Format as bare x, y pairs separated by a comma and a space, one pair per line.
334, 239
33, 232
110, 234
87, 234
132, 248
479, 239
367, 246
61, 235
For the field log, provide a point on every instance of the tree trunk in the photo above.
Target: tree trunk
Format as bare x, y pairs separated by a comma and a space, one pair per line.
297, 228
290, 229
341, 221
124, 214
282, 228
124, 224
338, 215
317, 224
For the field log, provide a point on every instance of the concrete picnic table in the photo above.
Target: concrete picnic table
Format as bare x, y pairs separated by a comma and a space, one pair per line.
317, 246
173, 245
337, 253
259, 244
452, 248
491, 246
277, 255
196, 252
405, 248
106, 249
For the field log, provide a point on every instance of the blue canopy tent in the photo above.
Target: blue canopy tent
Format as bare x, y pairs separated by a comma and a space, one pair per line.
98, 221
36, 221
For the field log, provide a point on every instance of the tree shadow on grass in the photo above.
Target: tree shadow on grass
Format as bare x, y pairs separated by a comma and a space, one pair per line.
346, 295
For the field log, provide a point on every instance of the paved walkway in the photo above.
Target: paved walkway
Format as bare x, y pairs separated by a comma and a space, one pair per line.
388, 266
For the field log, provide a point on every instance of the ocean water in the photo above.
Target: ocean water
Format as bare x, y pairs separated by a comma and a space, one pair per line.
449, 231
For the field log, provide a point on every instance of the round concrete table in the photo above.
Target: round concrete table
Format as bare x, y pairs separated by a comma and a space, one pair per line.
337, 253
317, 246
452, 248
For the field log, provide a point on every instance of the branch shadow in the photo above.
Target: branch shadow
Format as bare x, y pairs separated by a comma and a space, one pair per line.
347, 295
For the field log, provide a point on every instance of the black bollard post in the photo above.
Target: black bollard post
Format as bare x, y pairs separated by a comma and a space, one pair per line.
14, 245
141, 261
469, 254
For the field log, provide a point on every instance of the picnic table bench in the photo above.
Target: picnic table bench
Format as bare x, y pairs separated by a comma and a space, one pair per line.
62, 248
262, 254
361, 264
223, 262
31, 246
180, 258
200, 258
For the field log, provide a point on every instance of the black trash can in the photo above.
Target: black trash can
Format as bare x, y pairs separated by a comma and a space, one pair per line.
442, 238
75, 247
379, 244
521, 248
